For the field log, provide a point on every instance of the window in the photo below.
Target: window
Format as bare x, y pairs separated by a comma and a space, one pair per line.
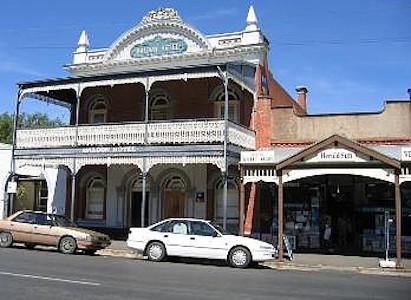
180, 228
25, 217
95, 199
201, 228
42, 195
232, 204
218, 96
98, 111
160, 106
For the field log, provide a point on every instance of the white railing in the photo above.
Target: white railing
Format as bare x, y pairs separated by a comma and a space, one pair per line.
173, 132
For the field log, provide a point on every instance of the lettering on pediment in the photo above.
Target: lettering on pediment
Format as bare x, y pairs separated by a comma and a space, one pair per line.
336, 155
159, 46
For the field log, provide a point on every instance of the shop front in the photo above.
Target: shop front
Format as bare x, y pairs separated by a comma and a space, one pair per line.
331, 197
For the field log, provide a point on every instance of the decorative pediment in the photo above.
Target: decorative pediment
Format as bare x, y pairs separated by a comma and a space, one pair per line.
336, 150
160, 15
160, 33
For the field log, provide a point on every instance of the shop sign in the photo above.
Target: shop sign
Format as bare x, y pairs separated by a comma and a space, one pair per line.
158, 46
257, 157
95, 150
336, 155
406, 154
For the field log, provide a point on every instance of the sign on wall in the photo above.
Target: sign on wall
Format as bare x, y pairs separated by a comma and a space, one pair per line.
257, 157
406, 154
158, 46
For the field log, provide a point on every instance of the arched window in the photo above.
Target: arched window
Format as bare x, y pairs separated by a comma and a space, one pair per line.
95, 199
218, 95
160, 108
232, 204
98, 111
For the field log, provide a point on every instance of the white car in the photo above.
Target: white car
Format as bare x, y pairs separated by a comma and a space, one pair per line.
198, 239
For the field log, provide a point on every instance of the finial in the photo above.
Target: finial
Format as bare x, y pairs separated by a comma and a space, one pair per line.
251, 20
83, 42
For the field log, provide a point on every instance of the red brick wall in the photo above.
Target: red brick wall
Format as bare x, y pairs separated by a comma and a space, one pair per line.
190, 100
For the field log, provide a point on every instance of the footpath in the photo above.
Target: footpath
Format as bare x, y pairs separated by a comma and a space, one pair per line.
300, 262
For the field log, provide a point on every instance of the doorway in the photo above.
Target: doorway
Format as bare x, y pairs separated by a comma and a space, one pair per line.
136, 206
174, 198
136, 203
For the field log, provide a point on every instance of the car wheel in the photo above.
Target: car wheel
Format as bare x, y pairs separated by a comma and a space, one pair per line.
6, 239
68, 245
239, 257
156, 251
29, 245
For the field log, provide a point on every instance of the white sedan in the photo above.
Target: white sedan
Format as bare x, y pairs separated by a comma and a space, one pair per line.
198, 239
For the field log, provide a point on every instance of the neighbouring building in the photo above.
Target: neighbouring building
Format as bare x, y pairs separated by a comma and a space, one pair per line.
350, 171
169, 122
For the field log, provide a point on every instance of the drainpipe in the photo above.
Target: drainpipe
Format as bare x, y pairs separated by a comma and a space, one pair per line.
13, 162
224, 77
74, 171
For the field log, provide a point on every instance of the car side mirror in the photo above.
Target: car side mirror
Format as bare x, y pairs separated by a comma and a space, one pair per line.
215, 234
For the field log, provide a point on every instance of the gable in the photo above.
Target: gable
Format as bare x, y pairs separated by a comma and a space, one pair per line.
161, 33
337, 149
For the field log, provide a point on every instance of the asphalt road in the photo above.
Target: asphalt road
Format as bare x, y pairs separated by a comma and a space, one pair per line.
41, 274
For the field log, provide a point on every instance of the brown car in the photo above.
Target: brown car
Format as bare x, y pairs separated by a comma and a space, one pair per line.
39, 228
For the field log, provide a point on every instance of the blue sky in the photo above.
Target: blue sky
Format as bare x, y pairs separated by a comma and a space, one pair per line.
352, 55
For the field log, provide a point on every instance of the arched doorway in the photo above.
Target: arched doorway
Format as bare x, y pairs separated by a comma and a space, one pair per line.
136, 202
174, 197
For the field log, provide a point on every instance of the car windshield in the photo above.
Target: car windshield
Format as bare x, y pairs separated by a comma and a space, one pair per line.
62, 221
219, 228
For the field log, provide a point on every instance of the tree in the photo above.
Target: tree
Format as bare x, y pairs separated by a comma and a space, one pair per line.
6, 128
26, 121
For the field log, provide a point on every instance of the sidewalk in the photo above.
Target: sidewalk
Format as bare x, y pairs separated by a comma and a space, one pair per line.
300, 262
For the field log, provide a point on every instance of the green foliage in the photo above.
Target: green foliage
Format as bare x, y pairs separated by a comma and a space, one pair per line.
6, 128
26, 121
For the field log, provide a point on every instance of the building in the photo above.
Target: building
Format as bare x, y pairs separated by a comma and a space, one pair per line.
170, 122
158, 122
346, 171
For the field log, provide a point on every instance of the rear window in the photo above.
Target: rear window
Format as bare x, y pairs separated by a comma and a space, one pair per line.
163, 227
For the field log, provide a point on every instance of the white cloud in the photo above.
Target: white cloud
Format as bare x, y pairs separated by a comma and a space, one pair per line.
13, 67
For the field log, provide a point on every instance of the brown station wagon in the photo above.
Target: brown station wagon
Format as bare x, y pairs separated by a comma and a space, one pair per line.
39, 228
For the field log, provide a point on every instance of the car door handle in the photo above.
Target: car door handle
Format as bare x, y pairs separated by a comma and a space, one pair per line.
166, 235
192, 238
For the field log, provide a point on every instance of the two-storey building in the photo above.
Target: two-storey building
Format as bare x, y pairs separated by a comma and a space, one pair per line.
158, 121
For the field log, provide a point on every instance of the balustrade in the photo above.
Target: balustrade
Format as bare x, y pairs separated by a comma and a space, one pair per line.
158, 133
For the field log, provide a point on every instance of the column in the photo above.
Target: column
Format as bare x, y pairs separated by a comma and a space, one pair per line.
74, 171
398, 215
143, 200
242, 201
280, 216
73, 192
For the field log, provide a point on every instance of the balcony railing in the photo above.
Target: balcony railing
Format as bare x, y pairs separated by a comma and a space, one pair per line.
158, 133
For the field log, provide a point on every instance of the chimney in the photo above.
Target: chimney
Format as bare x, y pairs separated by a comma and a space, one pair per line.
302, 97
